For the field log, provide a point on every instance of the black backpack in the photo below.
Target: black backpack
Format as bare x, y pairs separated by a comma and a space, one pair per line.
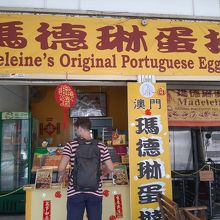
86, 172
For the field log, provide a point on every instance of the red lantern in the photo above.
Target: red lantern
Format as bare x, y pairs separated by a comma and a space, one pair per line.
66, 97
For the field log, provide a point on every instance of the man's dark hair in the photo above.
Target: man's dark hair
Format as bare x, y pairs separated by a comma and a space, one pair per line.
83, 122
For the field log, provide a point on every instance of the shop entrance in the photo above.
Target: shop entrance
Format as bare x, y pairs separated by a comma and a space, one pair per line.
47, 121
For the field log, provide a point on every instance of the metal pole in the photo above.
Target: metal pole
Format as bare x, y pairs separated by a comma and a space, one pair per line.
196, 166
210, 196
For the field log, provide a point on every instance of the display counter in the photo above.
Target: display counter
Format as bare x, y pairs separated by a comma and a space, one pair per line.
50, 204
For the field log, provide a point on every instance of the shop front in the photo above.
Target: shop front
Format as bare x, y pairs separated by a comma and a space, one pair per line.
108, 62
42, 204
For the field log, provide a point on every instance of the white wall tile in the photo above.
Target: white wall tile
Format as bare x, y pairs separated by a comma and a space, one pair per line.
159, 7
63, 4
207, 8
23, 3
177, 7
13, 98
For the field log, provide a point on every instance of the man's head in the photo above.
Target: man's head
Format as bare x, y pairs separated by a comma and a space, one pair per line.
83, 126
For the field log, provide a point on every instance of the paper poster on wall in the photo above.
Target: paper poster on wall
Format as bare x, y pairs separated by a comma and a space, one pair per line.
150, 170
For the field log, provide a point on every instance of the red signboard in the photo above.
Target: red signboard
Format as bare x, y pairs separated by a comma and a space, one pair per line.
118, 206
46, 210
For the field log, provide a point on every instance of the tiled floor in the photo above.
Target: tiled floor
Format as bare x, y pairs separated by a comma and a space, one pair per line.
12, 217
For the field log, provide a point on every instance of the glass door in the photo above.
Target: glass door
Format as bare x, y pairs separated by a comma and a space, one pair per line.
181, 149
14, 154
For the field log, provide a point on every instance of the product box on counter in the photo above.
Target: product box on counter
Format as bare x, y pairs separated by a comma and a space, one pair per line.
118, 139
120, 149
43, 179
48, 158
120, 175
125, 159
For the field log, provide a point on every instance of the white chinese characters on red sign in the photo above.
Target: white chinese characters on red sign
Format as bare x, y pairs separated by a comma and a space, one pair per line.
118, 206
46, 210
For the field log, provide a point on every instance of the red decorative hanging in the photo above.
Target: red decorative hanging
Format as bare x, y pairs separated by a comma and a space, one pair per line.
148, 112
58, 194
66, 97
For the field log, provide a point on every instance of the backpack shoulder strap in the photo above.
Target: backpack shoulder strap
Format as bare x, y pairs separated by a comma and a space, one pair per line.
94, 142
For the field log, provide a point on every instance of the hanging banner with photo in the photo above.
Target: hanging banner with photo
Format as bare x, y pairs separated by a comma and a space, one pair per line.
193, 107
36, 44
149, 150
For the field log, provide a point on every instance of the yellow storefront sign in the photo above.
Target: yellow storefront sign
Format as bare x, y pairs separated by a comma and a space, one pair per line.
116, 46
149, 152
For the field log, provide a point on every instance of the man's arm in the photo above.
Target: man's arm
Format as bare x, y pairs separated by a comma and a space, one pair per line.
62, 167
109, 165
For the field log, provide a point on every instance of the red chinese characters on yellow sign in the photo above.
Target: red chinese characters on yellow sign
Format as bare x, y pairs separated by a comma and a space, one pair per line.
73, 37
107, 46
11, 35
132, 40
176, 39
69, 36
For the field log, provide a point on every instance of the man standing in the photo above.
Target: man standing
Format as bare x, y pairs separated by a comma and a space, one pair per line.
78, 201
